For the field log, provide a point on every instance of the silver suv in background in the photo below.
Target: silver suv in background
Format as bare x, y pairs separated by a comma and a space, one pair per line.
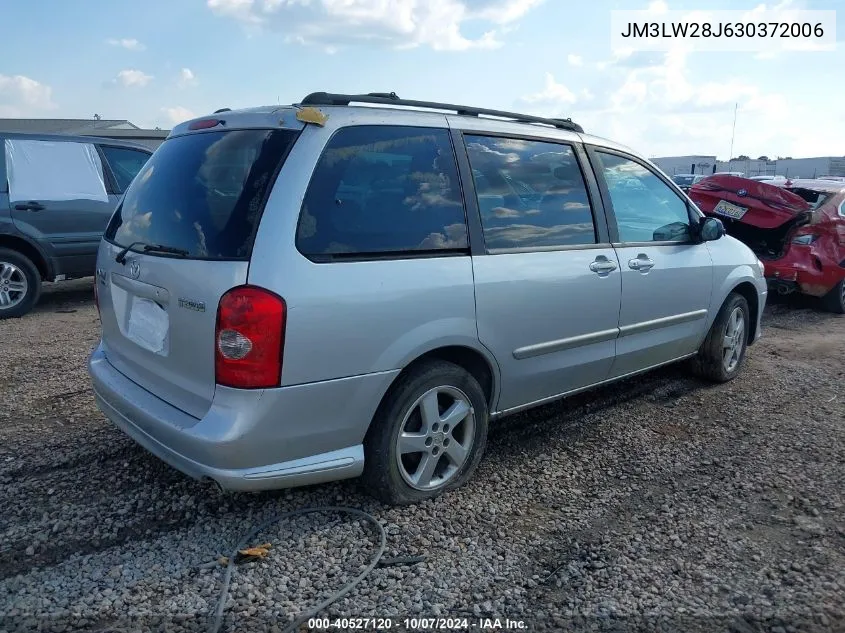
57, 194
292, 295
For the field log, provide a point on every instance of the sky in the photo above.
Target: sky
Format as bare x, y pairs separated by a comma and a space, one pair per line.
159, 62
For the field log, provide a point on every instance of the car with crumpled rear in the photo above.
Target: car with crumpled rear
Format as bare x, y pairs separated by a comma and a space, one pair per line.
796, 227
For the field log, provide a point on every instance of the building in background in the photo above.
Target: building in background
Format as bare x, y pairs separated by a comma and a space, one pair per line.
788, 167
672, 165
106, 128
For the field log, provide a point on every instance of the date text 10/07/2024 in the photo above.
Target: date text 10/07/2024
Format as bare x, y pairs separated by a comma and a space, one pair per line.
416, 624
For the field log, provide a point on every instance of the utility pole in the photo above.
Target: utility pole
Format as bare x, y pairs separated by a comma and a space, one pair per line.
733, 135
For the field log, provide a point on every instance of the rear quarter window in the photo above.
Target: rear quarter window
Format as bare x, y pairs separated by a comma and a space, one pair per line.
203, 193
383, 190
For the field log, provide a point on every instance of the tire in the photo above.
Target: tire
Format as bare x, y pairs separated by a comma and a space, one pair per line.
834, 301
17, 271
711, 361
388, 472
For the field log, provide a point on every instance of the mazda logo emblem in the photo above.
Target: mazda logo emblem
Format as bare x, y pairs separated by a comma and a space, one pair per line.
742, 192
134, 269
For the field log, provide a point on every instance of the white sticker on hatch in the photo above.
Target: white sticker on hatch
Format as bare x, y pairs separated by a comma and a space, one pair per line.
148, 325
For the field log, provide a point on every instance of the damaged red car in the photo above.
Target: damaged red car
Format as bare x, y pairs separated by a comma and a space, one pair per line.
796, 228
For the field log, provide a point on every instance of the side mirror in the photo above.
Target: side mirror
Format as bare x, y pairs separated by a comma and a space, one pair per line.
711, 229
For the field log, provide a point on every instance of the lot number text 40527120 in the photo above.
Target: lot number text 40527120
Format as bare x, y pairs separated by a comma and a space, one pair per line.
416, 624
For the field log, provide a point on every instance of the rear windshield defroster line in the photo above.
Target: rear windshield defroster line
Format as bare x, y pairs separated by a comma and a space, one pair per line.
203, 193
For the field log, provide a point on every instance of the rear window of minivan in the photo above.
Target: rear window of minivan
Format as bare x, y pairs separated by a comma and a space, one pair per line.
203, 193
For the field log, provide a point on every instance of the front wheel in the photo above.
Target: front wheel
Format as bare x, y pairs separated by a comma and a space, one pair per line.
834, 301
721, 356
427, 436
20, 284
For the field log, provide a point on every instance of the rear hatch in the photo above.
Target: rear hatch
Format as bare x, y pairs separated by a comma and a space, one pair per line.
188, 221
748, 201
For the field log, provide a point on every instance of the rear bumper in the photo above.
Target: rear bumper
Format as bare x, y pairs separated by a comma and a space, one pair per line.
803, 270
250, 440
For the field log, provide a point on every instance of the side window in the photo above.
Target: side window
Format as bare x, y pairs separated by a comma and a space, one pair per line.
54, 170
530, 193
125, 164
646, 209
383, 189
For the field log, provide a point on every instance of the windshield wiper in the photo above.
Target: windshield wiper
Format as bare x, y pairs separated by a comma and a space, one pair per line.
120, 258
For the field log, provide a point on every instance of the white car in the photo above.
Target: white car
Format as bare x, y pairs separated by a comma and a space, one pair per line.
768, 178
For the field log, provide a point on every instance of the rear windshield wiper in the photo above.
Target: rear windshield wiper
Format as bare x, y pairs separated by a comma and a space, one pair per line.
149, 248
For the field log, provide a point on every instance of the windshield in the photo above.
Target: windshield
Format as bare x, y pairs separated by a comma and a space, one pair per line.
202, 193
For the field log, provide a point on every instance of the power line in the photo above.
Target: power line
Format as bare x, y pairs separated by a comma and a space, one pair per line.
733, 135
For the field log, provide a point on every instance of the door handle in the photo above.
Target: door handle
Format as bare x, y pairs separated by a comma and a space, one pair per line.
30, 206
602, 265
641, 263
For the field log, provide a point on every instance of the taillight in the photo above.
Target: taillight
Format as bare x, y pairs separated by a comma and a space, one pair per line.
249, 339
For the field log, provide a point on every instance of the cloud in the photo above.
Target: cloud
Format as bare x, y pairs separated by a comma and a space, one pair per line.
334, 24
178, 114
505, 212
575, 60
20, 95
552, 98
501, 11
128, 43
668, 104
575, 206
187, 78
131, 78
519, 235
240, 9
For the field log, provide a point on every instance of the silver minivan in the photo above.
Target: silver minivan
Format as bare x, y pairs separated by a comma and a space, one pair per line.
348, 286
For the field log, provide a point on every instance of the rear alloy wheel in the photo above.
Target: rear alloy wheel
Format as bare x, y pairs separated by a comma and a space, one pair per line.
435, 438
20, 284
834, 301
721, 355
427, 436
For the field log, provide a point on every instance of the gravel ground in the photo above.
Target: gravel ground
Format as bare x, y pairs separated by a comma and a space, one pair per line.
662, 503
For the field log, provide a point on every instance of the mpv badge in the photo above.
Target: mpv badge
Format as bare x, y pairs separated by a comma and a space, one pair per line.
134, 269
190, 304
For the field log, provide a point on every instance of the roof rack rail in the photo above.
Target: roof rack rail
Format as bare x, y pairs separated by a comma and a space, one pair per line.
391, 98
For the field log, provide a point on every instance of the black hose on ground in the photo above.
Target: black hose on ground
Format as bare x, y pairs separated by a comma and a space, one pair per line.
246, 540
